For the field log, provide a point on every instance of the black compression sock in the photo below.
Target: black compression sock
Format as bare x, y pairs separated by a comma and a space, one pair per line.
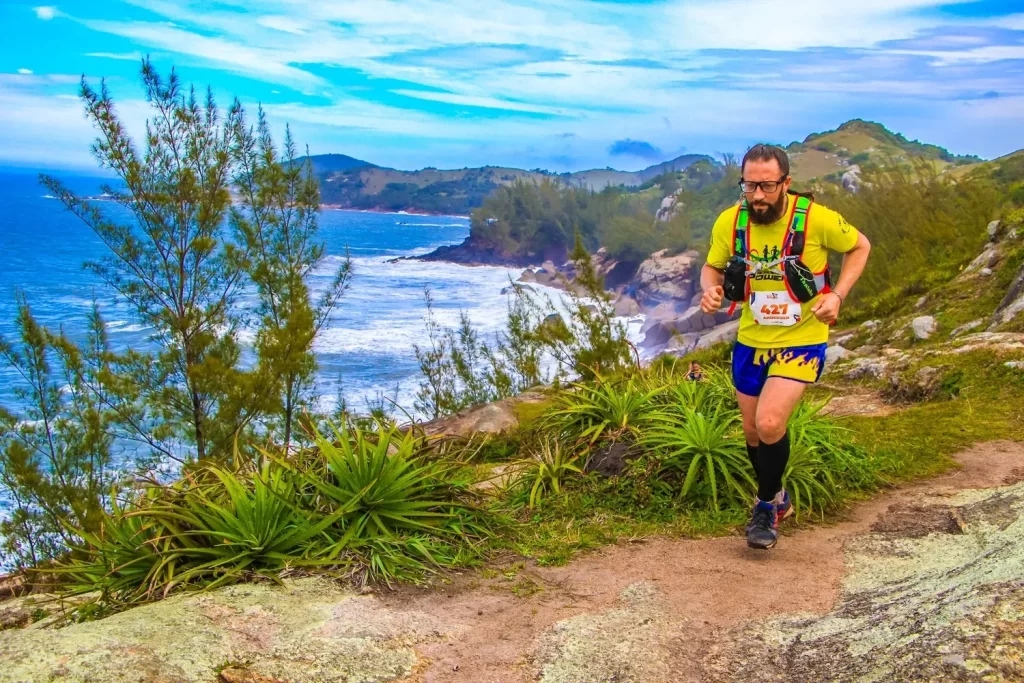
771, 465
752, 455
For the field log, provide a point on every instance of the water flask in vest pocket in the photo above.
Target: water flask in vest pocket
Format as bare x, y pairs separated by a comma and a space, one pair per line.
801, 281
735, 285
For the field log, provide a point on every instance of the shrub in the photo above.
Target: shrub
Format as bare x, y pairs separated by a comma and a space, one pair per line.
372, 504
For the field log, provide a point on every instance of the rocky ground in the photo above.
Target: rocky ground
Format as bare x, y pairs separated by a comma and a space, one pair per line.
921, 584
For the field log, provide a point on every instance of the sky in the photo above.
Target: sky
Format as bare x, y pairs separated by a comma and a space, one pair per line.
563, 85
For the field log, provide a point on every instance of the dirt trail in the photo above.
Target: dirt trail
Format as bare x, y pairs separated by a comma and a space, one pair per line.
708, 586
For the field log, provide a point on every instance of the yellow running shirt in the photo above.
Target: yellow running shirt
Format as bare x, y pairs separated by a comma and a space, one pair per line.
826, 230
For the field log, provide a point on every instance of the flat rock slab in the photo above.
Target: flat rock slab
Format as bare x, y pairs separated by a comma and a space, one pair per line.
311, 631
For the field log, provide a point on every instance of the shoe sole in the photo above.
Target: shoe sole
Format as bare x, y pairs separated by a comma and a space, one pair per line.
755, 546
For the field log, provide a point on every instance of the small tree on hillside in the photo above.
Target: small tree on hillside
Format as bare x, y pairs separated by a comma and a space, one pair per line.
276, 221
55, 458
180, 266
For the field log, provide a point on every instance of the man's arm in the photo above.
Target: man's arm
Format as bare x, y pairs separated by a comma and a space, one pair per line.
827, 308
711, 280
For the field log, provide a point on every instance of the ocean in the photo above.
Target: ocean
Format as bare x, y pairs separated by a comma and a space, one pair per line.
367, 348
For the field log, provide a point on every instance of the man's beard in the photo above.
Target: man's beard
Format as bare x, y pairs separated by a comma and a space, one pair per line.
766, 214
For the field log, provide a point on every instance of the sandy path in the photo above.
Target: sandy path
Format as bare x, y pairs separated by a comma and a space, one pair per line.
710, 585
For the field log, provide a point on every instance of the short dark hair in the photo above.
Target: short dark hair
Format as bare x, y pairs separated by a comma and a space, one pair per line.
762, 152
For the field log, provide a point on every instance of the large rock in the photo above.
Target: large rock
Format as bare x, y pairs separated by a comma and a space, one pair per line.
657, 334
993, 231
528, 277
626, 306
1013, 301
310, 630
851, 179
988, 258
934, 593
720, 334
836, 353
924, 326
967, 327
610, 460
664, 278
489, 418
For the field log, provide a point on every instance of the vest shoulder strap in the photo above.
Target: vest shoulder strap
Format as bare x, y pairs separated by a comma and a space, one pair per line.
798, 226
739, 230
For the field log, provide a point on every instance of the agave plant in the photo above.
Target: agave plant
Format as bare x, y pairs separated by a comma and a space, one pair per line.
381, 491
821, 459
605, 410
705, 449
546, 472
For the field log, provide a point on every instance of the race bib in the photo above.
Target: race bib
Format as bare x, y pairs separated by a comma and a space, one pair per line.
775, 308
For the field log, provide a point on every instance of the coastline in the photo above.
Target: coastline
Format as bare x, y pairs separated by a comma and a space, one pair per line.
403, 212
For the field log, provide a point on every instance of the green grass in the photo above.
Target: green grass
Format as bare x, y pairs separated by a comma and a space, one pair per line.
920, 440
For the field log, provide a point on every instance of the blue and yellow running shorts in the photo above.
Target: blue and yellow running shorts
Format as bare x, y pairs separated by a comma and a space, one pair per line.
751, 367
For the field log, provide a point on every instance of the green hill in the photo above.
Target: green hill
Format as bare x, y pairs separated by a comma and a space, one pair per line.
351, 183
829, 154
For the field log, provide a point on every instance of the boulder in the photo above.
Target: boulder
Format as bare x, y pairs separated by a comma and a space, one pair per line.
626, 306
993, 231
717, 335
682, 343
967, 327
670, 206
924, 326
988, 258
528, 276
664, 278
693, 320
1013, 301
310, 629
867, 367
871, 324
659, 333
670, 310
836, 353
985, 272
488, 418
1014, 364
610, 460
851, 179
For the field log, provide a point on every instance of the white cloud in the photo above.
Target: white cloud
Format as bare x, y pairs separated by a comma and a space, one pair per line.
283, 23
270, 63
46, 13
483, 102
702, 42
127, 56
51, 130
25, 72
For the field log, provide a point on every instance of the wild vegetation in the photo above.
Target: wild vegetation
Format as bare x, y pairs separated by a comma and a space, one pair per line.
526, 221
262, 488
180, 261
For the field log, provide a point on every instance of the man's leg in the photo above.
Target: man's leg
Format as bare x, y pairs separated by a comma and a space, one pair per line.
748, 409
778, 399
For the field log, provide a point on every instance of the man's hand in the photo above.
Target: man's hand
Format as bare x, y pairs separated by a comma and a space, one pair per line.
712, 299
827, 308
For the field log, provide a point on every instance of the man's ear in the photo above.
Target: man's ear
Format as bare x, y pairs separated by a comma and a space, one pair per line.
786, 183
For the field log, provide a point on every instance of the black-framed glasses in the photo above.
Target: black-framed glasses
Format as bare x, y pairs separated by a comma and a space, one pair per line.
767, 186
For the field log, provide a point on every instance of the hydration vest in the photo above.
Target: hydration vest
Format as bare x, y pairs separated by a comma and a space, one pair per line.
802, 283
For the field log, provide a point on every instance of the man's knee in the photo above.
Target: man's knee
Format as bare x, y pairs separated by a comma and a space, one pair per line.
770, 427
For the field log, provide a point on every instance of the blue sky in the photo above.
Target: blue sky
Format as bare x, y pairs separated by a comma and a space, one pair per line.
557, 84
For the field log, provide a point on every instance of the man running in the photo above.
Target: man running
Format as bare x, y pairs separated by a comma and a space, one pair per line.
788, 305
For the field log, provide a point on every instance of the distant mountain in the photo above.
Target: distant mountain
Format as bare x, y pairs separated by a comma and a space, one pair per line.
356, 184
335, 163
829, 155
598, 179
